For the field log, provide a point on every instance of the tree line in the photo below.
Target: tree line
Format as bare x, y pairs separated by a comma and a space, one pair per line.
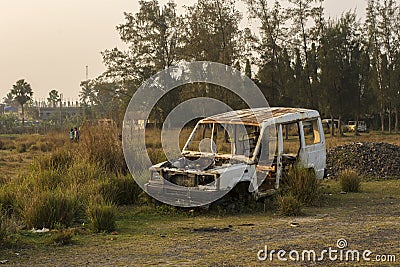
346, 68
21, 95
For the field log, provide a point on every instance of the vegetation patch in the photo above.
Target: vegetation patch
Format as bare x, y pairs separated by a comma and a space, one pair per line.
302, 184
102, 216
350, 181
289, 205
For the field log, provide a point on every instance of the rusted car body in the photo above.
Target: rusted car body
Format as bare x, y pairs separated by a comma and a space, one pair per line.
251, 146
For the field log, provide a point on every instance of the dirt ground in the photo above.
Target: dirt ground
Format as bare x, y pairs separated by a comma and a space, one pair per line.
369, 220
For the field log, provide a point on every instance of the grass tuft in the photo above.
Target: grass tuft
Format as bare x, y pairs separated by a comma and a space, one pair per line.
289, 205
302, 184
50, 208
102, 216
350, 181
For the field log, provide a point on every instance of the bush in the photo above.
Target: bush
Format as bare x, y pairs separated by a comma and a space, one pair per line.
349, 181
48, 208
120, 189
289, 205
102, 217
302, 184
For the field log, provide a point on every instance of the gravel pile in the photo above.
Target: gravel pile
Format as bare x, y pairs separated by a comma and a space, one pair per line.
378, 160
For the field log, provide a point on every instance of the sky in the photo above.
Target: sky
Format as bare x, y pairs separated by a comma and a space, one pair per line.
49, 43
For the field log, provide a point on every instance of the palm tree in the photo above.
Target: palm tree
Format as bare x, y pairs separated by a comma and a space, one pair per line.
54, 97
22, 93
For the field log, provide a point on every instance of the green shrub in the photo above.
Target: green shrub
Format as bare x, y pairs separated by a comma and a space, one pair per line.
349, 181
289, 205
48, 208
120, 189
102, 217
302, 184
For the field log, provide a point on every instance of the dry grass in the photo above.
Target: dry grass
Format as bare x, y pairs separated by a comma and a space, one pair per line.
349, 180
367, 220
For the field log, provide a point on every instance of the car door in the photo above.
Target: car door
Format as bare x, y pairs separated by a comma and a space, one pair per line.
312, 153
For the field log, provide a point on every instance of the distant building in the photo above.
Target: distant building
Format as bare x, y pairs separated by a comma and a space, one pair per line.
10, 110
52, 113
45, 112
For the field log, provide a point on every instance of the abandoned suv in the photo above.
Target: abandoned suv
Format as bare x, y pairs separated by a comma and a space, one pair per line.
252, 147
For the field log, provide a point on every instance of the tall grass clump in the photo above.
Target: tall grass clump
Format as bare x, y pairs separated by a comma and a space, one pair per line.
60, 159
102, 216
120, 189
8, 227
102, 144
349, 181
289, 205
8, 204
58, 188
50, 208
302, 184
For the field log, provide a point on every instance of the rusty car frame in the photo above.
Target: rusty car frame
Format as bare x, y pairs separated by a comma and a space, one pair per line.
254, 146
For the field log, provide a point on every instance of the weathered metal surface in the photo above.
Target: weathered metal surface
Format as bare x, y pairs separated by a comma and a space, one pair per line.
260, 115
263, 180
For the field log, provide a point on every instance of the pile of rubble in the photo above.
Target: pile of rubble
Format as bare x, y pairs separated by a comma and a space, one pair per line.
378, 160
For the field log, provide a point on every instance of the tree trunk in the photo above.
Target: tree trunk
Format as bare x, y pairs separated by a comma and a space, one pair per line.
390, 118
340, 126
23, 115
396, 120
382, 114
356, 128
332, 126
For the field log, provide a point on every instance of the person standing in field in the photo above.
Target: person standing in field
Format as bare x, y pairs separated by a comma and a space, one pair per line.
77, 134
71, 135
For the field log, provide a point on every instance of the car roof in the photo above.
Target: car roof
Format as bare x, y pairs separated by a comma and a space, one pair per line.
259, 116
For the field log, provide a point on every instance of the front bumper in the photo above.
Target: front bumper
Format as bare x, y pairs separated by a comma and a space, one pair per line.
183, 196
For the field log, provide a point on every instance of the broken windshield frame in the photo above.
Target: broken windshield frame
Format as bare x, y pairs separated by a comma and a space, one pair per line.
223, 139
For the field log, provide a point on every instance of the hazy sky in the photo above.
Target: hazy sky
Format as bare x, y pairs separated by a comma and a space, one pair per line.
48, 42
